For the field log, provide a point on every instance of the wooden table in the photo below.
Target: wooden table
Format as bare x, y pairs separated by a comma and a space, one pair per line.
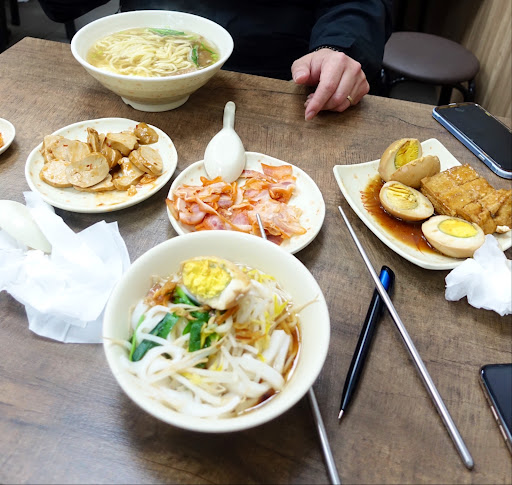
63, 417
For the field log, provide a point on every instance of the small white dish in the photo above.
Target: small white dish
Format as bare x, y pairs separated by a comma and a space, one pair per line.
8, 133
353, 179
307, 197
88, 202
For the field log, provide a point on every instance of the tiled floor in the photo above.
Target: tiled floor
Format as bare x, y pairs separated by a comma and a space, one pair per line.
35, 23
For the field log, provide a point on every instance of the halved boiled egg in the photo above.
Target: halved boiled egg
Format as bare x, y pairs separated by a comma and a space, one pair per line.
398, 154
405, 202
214, 282
453, 236
412, 172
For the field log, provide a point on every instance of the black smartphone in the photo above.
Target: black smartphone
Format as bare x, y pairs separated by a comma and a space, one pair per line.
486, 136
496, 381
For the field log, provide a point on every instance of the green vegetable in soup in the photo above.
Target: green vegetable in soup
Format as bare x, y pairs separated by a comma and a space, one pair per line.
194, 56
162, 329
181, 297
166, 32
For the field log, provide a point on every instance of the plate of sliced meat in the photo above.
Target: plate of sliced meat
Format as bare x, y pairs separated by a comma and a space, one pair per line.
101, 165
287, 199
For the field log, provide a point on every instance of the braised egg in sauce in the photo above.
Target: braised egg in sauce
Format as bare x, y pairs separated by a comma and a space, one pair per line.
405, 202
453, 236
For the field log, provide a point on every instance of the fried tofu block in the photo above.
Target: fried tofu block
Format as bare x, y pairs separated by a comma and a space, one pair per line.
462, 174
503, 216
495, 199
474, 212
461, 192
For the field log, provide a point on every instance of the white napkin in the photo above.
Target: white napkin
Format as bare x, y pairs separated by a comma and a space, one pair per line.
64, 293
486, 279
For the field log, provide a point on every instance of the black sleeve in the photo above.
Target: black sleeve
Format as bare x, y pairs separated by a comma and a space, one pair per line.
360, 29
66, 10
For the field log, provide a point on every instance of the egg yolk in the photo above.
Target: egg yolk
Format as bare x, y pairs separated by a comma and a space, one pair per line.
205, 278
457, 228
401, 197
408, 152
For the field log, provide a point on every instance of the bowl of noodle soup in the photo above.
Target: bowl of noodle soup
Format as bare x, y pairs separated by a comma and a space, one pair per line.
240, 374
153, 59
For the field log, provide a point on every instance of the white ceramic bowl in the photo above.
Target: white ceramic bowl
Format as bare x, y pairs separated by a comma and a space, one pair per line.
158, 93
293, 276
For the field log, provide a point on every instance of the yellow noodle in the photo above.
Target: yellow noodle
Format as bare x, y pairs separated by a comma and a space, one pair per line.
141, 52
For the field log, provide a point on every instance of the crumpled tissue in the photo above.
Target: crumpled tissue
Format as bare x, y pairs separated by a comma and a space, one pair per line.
486, 279
64, 293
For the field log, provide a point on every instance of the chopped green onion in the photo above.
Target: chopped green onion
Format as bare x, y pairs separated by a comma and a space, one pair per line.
206, 49
162, 329
181, 297
194, 57
166, 32
211, 339
134, 340
195, 335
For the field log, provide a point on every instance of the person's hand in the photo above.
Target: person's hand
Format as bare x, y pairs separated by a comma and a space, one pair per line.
340, 79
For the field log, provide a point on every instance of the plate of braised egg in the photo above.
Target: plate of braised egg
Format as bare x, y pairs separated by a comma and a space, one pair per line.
423, 204
101, 165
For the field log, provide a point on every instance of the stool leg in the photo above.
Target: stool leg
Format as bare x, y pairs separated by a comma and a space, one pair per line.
445, 96
385, 86
470, 96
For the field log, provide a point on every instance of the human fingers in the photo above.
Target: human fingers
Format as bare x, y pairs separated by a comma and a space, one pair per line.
361, 91
352, 82
332, 65
340, 101
301, 70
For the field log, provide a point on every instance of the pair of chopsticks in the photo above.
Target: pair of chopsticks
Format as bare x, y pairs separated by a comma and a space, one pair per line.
420, 366
418, 362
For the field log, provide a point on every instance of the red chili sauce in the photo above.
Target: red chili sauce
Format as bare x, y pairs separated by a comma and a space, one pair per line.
409, 233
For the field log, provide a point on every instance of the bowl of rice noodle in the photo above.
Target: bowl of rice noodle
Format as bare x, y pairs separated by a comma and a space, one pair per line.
216, 331
153, 59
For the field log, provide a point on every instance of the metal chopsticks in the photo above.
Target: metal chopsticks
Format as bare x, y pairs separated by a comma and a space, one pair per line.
418, 362
329, 459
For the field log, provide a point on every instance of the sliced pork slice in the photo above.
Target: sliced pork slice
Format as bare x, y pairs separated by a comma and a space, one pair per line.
124, 142
145, 134
60, 148
148, 160
127, 176
113, 156
93, 140
104, 186
47, 142
89, 171
54, 174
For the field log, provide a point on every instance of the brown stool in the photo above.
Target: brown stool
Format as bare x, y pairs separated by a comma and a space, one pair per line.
430, 59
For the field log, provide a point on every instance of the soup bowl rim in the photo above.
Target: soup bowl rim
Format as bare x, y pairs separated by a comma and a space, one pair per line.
152, 79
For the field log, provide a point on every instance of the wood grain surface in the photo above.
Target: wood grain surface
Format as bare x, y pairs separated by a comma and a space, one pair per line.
64, 419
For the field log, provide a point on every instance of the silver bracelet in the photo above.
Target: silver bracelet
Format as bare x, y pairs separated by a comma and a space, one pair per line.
326, 47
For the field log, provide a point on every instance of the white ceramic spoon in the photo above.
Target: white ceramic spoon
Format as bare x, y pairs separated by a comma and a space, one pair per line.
16, 220
225, 154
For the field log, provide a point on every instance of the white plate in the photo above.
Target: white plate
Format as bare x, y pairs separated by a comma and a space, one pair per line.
8, 132
307, 197
77, 201
353, 179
